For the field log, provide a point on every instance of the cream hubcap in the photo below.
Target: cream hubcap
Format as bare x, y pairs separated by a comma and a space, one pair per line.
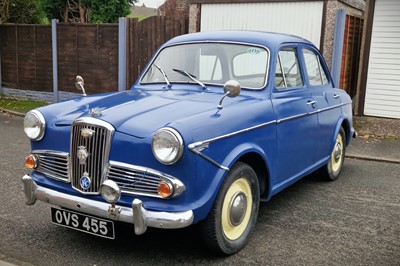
236, 209
337, 154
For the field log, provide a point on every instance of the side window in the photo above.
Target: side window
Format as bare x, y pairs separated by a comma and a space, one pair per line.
287, 72
315, 72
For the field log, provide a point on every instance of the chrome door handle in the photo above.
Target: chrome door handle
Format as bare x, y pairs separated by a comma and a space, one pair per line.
335, 96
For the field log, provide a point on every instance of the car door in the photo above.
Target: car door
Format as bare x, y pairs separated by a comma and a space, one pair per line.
326, 97
297, 121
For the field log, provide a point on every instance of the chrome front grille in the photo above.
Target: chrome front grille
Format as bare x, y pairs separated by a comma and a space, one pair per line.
53, 164
134, 179
90, 148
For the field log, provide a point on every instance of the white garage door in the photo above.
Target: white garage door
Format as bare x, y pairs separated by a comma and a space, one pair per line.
383, 84
303, 19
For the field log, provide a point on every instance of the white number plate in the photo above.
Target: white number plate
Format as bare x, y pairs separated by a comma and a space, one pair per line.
84, 223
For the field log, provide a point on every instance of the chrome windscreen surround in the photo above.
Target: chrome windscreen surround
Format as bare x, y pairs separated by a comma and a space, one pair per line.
90, 148
138, 180
53, 164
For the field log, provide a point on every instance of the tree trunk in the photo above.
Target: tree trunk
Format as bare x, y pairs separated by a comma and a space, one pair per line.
82, 14
65, 16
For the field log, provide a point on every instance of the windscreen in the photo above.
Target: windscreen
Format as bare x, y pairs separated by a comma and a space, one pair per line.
210, 63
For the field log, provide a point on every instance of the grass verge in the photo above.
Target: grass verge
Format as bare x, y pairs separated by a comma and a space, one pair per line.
21, 106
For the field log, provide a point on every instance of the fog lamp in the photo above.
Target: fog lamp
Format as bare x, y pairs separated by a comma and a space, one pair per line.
165, 189
31, 161
110, 191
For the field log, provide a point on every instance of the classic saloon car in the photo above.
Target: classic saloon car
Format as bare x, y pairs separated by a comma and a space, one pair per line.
216, 123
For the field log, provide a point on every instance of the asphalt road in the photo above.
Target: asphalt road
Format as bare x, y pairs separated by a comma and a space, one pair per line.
353, 221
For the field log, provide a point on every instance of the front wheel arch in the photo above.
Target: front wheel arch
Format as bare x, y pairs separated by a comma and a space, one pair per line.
233, 216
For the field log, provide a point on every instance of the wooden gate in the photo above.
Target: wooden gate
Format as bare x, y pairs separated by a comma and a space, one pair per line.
351, 54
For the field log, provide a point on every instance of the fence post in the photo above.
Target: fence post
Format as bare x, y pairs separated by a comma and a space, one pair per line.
54, 54
338, 46
1, 87
122, 54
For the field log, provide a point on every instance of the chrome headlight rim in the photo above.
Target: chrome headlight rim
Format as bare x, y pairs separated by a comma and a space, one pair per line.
41, 124
179, 144
110, 191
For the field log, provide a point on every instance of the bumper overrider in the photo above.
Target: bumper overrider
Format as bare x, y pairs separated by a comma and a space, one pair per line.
136, 215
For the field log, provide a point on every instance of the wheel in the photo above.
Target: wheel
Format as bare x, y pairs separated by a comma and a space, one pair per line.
332, 169
233, 216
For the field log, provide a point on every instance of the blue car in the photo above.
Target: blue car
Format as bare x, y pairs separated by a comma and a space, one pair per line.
216, 123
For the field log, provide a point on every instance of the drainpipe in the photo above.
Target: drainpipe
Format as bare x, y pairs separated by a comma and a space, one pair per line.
338, 46
1, 87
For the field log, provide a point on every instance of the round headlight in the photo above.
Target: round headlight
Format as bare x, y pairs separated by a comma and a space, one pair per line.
34, 125
167, 145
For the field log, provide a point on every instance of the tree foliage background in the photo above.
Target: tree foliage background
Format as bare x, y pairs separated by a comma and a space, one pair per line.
83, 11
94, 11
20, 11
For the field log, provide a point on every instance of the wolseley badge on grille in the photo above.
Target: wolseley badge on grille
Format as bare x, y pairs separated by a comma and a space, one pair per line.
85, 181
82, 154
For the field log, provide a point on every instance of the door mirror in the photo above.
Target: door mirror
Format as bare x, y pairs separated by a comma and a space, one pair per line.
231, 89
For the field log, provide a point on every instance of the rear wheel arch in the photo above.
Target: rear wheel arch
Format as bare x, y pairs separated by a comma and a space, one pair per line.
347, 129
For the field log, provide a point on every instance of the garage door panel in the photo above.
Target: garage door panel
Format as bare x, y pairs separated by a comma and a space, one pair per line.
305, 18
383, 85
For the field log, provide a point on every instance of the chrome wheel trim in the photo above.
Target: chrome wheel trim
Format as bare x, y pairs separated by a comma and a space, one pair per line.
236, 209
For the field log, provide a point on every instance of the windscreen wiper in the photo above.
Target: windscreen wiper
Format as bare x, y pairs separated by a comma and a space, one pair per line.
192, 77
163, 73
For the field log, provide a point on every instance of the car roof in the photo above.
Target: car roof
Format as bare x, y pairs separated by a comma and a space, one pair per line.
268, 39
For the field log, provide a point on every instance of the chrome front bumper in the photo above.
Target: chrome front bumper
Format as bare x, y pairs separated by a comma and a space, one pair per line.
137, 215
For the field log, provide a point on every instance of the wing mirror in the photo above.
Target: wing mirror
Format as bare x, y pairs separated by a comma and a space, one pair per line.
231, 89
79, 84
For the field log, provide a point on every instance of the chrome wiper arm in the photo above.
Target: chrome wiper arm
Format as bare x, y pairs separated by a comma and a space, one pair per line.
163, 73
192, 77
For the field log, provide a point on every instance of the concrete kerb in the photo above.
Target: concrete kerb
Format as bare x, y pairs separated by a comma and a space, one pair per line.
372, 158
2, 110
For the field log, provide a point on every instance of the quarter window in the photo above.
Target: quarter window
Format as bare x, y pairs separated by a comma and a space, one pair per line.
315, 72
287, 71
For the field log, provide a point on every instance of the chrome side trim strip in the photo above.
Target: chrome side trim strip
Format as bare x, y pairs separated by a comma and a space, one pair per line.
209, 159
197, 147
204, 142
136, 214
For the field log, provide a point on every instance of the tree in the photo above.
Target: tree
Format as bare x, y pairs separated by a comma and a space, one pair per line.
20, 11
109, 11
96, 11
